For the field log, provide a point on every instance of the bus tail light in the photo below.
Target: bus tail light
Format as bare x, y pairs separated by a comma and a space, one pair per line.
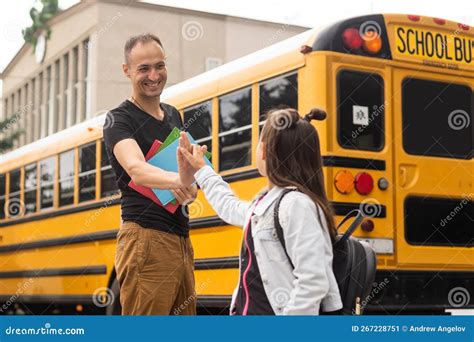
364, 183
344, 182
367, 226
372, 42
352, 39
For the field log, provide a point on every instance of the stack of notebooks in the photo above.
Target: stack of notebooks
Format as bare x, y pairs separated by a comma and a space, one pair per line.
163, 155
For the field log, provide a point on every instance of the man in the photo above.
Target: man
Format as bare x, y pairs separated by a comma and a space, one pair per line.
154, 258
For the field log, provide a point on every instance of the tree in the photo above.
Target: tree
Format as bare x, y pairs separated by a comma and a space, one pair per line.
48, 8
6, 143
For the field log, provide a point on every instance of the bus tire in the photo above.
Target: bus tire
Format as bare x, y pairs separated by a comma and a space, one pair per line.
115, 308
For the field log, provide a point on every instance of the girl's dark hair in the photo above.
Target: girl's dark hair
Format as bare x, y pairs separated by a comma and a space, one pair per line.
293, 156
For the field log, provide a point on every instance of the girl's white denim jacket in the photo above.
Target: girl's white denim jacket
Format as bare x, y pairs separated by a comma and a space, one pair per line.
298, 291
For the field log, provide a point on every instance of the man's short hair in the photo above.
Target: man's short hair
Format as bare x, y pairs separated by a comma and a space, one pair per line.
139, 38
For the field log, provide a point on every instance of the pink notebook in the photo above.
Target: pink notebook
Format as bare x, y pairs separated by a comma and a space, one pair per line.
147, 192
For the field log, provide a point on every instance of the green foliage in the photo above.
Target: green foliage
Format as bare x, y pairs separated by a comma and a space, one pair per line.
40, 18
7, 142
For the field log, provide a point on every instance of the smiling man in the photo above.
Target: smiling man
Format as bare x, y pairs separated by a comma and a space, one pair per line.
154, 259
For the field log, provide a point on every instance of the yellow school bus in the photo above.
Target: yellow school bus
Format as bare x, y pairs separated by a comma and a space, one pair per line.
397, 143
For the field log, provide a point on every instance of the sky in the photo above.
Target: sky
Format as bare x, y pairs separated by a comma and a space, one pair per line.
14, 15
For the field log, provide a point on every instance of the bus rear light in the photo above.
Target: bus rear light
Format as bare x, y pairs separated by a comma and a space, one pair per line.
372, 42
463, 26
367, 226
344, 182
352, 39
414, 17
439, 21
364, 183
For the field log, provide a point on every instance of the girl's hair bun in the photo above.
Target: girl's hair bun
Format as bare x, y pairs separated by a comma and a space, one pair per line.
315, 114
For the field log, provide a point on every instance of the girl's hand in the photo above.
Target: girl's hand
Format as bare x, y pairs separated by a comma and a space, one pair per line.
192, 154
185, 169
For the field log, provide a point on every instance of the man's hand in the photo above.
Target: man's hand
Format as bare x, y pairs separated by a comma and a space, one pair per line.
186, 194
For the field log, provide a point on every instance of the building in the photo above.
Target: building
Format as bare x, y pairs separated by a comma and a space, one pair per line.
76, 73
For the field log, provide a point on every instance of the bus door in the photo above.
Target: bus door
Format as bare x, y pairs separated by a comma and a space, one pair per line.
434, 171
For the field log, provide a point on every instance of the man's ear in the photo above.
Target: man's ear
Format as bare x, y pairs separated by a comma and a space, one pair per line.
126, 69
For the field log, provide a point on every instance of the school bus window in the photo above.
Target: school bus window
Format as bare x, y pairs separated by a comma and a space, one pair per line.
276, 92
14, 207
235, 129
107, 176
426, 223
47, 182
2, 196
360, 107
66, 178
198, 122
447, 107
87, 170
30, 188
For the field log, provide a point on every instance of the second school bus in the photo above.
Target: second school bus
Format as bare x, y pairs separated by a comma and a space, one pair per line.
397, 142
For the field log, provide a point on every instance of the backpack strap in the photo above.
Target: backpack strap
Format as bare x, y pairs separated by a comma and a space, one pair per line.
279, 230
353, 226
276, 220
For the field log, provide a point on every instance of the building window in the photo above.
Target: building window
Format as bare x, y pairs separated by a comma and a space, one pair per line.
14, 206
67, 91
2, 196
30, 188
86, 79
198, 122
107, 176
76, 84
87, 170
66, 178
281, 91
57, 96
47, 169
39, 110
49, 101
235, 129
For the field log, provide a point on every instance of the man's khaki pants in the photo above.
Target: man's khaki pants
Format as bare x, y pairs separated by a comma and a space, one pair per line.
155, 271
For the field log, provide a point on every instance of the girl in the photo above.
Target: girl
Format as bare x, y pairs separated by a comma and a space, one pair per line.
288, 155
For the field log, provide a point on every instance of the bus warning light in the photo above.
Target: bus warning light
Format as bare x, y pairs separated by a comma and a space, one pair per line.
352, 39
364, 183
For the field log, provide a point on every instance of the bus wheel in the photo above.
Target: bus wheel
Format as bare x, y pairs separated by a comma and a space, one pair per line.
115, 308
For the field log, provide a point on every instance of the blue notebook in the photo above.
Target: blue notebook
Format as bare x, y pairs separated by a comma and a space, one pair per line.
166, 160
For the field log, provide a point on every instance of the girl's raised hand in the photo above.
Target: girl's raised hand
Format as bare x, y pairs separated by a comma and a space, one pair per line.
193, 154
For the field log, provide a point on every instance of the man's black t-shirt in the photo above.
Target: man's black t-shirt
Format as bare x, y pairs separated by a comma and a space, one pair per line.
127, 121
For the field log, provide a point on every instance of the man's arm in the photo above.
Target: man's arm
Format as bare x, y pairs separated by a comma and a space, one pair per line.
132, 160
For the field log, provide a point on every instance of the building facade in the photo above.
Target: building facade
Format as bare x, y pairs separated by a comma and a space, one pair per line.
77, 73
